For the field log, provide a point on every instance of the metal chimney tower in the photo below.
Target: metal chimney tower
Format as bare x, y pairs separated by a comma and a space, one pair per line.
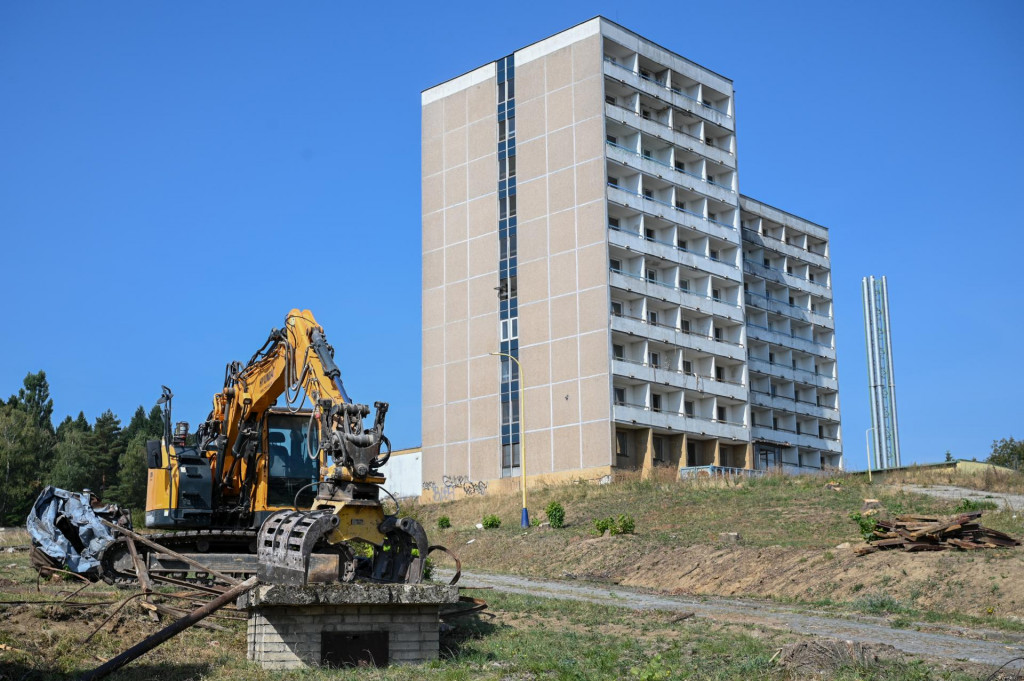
884, 424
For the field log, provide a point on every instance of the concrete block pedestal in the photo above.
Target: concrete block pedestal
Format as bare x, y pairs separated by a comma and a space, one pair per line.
344, 624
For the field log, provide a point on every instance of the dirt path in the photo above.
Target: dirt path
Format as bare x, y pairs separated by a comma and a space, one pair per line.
864, 629
1011, 502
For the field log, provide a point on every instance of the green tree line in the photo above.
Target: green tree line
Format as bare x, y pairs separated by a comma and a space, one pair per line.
76, 455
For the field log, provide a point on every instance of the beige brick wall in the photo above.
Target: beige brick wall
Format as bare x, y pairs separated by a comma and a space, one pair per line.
460, 262
562, 254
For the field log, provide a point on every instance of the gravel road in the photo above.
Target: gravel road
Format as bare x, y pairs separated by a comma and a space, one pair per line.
997, 649
1012, 502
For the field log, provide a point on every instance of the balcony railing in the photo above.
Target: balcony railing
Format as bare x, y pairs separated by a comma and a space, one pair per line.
791, 335
788, 274
675, 130
673, 327
669, 205
674, 370
817, 374
646, 157
644, 237
673, 287
663, 85
785, 243
808, 311
717, 472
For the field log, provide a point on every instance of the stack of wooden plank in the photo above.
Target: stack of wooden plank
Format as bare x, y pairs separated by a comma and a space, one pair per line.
930, 533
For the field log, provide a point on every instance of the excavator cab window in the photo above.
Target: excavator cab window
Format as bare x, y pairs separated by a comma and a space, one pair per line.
290, 467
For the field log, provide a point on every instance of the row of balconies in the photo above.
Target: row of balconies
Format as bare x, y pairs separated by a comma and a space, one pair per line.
662, 191
794, 458
790, 364
693, 173
785, 235
788, 309
684, 360
669, 243
661, 279
803, 337
671, 328
716, 146
788, 270
636, 201
774, 247
673, 402
626, 65
789, 299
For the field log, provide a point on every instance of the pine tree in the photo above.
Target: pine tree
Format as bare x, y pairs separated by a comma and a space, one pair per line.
103, 448
132, 475
72, 467
24, 448
156, 422
34, 400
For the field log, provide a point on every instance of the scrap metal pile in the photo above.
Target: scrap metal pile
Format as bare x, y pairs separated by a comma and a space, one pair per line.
930, 533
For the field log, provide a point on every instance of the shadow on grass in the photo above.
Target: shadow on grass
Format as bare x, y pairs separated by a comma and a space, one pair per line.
463, 630
20, 671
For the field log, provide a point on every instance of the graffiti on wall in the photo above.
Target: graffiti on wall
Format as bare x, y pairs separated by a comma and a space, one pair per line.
450, 483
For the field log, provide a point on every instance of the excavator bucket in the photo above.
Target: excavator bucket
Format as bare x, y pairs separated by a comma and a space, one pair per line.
285, 544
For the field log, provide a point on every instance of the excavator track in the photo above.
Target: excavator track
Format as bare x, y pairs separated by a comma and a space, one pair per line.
234, 549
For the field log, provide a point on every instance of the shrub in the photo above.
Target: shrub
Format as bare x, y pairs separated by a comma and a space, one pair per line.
444, 522
491, 521
866, 523
623, 524
555, 514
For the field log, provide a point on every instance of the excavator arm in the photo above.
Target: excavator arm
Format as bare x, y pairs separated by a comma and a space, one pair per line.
295, 360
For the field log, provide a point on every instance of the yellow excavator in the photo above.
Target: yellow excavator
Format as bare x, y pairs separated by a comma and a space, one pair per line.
272, 485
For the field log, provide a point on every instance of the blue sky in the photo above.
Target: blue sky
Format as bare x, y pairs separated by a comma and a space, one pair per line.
174, 177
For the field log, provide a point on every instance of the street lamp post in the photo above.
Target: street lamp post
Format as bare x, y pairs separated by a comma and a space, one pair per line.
867, 445
525, 521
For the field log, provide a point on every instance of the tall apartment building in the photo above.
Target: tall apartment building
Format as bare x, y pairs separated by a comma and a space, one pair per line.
582, 215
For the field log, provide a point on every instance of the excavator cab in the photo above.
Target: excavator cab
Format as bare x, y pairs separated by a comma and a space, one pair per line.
292, 472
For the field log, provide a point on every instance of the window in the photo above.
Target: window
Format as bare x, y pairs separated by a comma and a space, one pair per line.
510, 412
649, 234
719, 373
620, 396
658, 445
654, 359
681, 205
691, 453
686, 326
821, 431
510, 328
753, 419
771, 358
613, 223
688, 408
645, 113
712, 216
652, 275
720, 413
810, 276
772, 389
789, 269
616, 308
646, 153
684, 284
615, 264
681, 244
621, 443
716, 293
711, 178
649, 193
791, 300
710, 141
713, 254
680, 166
612, 138
775, 423
613, 181
655, 402
645, 74
509, 457
618, 351
718, 333
766, 262
506, 129
687, 367
609, 99
797, 427
652, 316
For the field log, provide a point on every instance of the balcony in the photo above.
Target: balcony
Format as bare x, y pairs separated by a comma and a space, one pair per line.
671, 252
792, 405
671, 335
759, 269
791, 373
675, 137
664, 171
666, 211
779, 246
678, 379
787, 309
786, 339
677, 98
698, 302
788, 438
